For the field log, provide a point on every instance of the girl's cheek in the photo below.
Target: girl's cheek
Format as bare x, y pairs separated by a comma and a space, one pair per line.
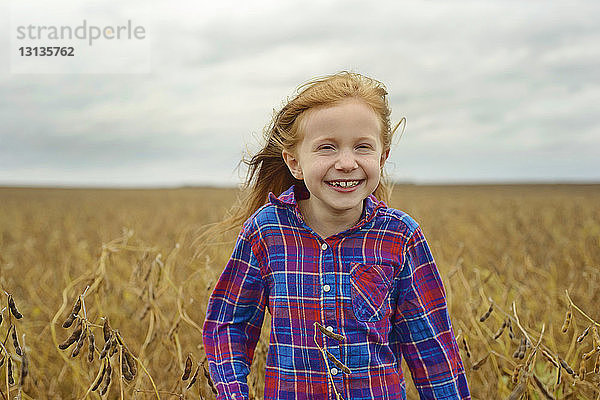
372, 163
324, 163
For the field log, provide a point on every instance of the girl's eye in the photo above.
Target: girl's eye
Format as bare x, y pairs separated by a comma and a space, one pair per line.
364, 146
326, 147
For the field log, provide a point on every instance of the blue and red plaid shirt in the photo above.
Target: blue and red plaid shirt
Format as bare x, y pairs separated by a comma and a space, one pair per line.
344, 309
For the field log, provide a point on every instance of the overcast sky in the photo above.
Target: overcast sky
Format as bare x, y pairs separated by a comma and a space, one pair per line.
492, 90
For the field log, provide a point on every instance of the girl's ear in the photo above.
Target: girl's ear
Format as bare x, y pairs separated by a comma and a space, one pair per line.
292, 163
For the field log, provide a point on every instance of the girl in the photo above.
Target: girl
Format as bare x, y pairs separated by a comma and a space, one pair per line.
351, 284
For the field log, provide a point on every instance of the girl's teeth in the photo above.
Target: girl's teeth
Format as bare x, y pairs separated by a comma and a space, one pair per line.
344, 184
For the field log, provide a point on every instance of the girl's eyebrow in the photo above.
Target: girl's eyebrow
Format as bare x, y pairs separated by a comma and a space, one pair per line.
322, 140
366, 138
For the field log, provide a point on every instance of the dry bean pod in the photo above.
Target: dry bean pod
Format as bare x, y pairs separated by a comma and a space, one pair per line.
106, 330
564, 364
71, 339
130, 361
188, 368
487, 313
567, 322
13, 308
107, 380
193, 380
100, 378
209, 379
11, 380
91, 347
16, 342
583, 334
79, 344
125, 370
69, 321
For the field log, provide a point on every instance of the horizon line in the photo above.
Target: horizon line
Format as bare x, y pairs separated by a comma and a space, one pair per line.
238, 186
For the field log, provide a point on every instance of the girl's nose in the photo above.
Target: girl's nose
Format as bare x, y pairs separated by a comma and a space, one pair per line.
346, 161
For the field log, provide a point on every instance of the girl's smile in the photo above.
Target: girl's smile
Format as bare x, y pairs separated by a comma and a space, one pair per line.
345, 184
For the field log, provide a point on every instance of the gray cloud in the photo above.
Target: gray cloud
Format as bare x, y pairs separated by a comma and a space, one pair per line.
492, 91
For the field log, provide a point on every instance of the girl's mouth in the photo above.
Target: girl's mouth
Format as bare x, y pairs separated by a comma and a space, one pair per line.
344, 184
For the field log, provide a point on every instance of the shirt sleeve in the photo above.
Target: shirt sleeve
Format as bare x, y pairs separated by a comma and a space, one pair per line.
234, 318
422, 330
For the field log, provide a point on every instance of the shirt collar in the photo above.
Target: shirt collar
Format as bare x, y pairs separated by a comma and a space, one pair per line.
288, 199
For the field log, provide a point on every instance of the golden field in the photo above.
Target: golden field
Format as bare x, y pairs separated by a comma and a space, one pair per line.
520, 247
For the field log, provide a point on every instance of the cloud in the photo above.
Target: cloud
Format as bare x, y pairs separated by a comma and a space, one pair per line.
494, 90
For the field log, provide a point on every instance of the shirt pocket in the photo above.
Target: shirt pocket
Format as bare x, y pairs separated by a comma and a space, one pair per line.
370, 288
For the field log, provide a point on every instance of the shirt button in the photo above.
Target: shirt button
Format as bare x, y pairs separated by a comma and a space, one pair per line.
324, 246
330, 328
334, 371
327, 288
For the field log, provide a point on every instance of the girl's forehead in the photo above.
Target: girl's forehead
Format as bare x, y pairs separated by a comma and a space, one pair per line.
347, 118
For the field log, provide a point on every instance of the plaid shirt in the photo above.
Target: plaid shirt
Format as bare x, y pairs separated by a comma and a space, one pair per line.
344, 309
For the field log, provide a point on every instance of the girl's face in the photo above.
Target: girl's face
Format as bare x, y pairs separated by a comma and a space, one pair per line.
339, 157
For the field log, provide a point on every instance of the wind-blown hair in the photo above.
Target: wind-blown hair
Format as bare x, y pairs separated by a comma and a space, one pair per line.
267, 172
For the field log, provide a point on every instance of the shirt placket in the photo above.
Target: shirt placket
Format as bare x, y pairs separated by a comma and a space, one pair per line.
330, 291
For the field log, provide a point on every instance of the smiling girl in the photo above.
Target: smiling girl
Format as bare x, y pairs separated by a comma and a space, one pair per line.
351, 284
